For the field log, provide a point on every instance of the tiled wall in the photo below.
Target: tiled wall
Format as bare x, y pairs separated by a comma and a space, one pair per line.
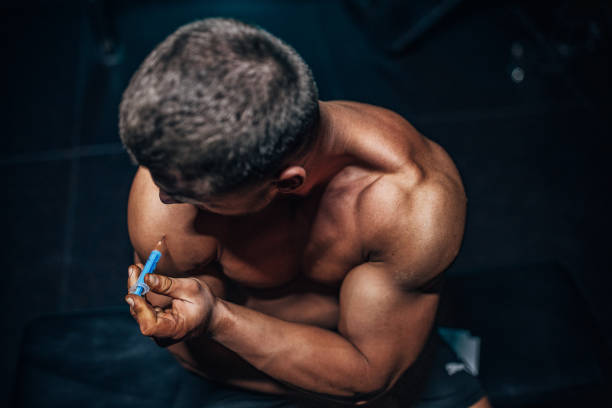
531, 152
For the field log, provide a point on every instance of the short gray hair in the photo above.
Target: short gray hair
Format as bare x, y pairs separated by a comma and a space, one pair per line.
219, 104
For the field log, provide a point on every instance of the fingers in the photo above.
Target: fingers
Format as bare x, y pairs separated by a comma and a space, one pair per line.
177, 288
133, 274
153, 322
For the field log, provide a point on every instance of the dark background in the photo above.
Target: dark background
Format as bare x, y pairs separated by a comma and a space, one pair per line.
517, 93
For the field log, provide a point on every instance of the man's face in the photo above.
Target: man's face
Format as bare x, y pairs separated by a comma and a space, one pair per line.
245, 201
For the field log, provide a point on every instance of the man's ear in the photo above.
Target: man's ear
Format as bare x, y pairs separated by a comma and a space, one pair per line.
291, 179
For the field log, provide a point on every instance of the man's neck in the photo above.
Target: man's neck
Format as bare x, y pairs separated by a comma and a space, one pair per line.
330, 153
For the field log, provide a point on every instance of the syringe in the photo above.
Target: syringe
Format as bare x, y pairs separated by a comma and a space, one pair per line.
140, 288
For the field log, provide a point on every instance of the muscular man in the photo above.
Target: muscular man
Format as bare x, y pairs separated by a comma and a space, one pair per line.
303, 239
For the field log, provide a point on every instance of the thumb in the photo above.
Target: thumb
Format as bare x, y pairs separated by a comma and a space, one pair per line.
133, 274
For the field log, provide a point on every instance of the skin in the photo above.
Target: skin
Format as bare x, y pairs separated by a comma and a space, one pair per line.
313, 282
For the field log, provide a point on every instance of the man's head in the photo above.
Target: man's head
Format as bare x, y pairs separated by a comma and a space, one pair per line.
219, 108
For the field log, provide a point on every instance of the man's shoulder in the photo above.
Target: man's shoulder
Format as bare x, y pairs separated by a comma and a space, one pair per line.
149, 219
410, 193
147, 214
365, 108
412, 219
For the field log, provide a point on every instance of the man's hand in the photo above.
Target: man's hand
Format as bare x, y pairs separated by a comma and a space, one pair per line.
188, 315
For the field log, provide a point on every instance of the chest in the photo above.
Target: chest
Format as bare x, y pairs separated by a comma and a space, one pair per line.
314, 240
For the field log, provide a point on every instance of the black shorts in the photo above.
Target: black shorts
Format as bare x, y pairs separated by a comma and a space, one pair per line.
450, 383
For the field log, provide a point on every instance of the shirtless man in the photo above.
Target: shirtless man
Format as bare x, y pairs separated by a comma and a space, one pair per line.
303, 239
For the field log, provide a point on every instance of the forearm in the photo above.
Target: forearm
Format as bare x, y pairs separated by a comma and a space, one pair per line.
306, 357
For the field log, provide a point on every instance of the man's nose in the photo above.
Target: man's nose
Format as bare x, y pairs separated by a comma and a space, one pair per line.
166, 199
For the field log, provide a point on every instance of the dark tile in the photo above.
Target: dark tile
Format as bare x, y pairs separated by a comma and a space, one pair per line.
578, 34
536, 190
535, 168
141, 26
35, 198
525, 182
43, 50
95, 358
100, 106
463, 64
144, 26
538, 339
101, 249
